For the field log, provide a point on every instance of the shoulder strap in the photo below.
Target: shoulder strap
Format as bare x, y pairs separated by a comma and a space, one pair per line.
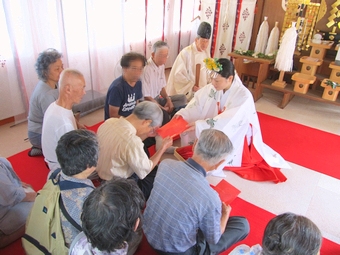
36, 244
67, 185
54, 175
67, 215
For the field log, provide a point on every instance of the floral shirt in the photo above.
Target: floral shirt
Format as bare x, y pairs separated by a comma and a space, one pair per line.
73, 200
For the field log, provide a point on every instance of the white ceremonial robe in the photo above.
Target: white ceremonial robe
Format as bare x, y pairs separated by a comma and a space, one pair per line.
182, 75
238, 119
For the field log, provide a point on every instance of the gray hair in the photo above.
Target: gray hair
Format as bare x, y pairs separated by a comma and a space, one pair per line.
147, 110
159, 44
44, 60
289, 233
66, 74
213, 146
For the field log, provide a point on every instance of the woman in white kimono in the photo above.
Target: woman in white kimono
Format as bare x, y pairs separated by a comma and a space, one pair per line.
227, 105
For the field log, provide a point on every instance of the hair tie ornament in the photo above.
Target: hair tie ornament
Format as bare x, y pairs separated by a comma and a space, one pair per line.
212, 66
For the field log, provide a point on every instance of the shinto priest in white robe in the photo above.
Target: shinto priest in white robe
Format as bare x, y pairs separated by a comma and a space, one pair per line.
234, 113
182, 75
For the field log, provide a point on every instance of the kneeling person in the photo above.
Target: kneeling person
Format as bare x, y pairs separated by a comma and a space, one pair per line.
121, 146
77, 153
184, 215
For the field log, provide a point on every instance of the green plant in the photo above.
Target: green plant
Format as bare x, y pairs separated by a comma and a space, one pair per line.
251, 53
332, 83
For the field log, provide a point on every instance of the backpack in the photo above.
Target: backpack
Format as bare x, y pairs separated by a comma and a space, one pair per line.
44, 234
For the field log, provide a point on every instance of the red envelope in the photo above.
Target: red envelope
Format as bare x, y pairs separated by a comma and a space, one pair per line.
226, 191
173, 128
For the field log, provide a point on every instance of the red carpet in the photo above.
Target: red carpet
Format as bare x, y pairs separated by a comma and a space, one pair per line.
256, 216
258, 219
34, 171
302, 145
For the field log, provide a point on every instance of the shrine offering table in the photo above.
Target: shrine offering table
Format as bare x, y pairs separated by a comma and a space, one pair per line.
258, 67
289, 93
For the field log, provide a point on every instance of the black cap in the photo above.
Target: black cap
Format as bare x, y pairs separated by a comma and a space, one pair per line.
204, 30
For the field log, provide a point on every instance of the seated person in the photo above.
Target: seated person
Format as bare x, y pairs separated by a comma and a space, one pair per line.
121, 146
125, 91
227, 105
111, 220
154, 82
77, 153
183, 79
16, 200
48, 67
59, 118
287, 233
184, 214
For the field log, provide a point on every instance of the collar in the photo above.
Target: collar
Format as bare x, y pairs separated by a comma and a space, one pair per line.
132, 127
194, 165
194, 46
153, 64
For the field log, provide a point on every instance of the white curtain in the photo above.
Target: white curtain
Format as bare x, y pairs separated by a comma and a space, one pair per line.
172, 19
190, 21
154, 24
92, 35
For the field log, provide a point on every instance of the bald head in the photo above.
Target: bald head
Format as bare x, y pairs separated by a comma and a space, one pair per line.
70, 77
71, 87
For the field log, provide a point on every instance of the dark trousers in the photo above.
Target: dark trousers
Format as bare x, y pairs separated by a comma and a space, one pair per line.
236, 230
145, 184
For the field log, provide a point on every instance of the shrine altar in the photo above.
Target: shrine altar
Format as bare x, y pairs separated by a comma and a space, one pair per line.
256, 67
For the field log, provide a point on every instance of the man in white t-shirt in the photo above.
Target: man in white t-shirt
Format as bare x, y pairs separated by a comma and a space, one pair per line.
59, 118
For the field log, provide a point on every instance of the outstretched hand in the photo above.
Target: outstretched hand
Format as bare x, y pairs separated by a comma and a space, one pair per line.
166, 143
190, 127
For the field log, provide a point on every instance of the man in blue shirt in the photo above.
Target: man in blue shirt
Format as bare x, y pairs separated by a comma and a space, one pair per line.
125, 92
184, 215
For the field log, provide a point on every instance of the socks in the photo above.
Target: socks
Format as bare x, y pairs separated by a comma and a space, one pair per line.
34, 152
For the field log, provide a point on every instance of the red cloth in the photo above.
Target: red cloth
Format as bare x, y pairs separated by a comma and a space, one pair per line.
253, 167
173, 128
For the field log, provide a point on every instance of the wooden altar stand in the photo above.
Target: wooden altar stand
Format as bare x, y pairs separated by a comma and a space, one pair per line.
258, 67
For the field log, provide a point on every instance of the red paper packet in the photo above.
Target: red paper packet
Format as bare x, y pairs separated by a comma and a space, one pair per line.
173, 128
226, 191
